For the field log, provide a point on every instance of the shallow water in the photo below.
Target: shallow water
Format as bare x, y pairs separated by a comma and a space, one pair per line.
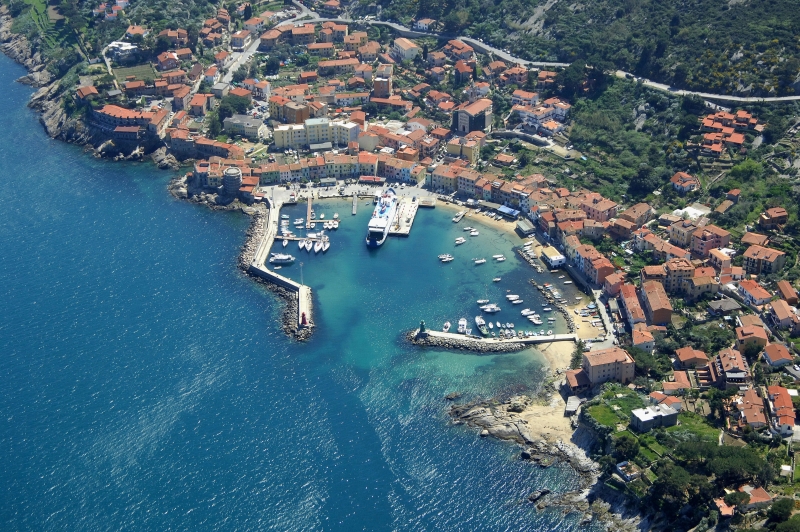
147, 385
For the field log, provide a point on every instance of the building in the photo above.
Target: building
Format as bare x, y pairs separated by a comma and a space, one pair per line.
787, 292
553, 257
750, 407
709, 237
639, 214
241, 39
646, 419
761, 260
656, 303
476, 116
612, 364
753, 293
781, 410
643, 340
773, 218
729, 369
751, 335
688, 357
683, 182
777, 355
246, 126
680, 233
678, 271
759, 498
630, 304
781, 314
404, 50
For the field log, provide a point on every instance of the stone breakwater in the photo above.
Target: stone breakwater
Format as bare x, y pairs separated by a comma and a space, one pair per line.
254, 235
465, 344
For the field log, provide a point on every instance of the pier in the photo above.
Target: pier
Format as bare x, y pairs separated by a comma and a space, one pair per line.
528, 340
404, 218
259, 267
355, 203
309, 221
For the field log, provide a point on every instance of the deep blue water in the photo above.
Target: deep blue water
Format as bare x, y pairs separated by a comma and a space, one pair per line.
146, 384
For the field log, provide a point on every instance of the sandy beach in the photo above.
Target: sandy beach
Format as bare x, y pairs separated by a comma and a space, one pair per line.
547, 420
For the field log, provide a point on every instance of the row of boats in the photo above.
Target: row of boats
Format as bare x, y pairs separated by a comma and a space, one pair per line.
446, 257
504, 330
317, 241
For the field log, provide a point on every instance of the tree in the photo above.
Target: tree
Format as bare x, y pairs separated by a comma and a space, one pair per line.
577, 355
248, 11
571, 79
737, 498
425, 51
162, 44
626, 447
272, 66
781, 510
241, 74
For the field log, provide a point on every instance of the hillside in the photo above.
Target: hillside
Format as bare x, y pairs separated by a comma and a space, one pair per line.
741, 47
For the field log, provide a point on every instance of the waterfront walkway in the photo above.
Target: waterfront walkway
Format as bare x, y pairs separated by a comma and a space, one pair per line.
527, 340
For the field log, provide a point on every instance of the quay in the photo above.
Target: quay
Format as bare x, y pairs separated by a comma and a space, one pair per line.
531, 340
259, 268
404, 219
428, 201
309, 221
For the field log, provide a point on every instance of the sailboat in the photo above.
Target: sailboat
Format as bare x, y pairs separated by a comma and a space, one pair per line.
285, 242
301, 244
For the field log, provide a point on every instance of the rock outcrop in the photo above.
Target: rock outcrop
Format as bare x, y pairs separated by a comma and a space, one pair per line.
466, 343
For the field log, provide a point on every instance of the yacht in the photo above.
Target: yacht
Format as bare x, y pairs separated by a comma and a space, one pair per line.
491, 308
469, 228
317, 246
325, 245
526, 312
496, 280
309, 245
446, 326
458, 216
285, 242
474, 233
496, 256
501, 259
281, 258
336, 216
462, 325
479, 261
460, 240
448, 258
301, 244
516, 301
483, 301
382, 216
512, 297
481, 324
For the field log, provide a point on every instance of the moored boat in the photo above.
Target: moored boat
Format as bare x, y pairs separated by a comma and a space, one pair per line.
460, 240
479, 261
481, 324
490, 308
309, 245
483, 301
382, 216
474, 233
301, 244
285, 242
446, 326
496, 279
462, 325
281, 258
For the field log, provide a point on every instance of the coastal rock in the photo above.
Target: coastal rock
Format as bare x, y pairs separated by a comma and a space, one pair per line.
465, 343
452, 396
164, 160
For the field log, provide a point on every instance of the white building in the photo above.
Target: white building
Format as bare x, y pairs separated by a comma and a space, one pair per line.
246, 126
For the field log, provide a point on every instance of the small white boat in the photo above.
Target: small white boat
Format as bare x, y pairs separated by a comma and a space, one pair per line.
561, 276
301, 244
281, 258
446, 326
474, 233
284, 216
526, 312
551, 319
317, 246
460, 240
322, 216
547, 309
309, 245
462, 325
299, 220
285, 242
496, 280
325, 246
512, 297
480, 261
491, 308
498, 325
549, 333
501, 259
469, 229
496, 256
277, 267
491, 325
448, 259
568, 282
336, 216
483, 301
516, 302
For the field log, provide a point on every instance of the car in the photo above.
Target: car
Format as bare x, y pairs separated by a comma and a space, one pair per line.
796, 367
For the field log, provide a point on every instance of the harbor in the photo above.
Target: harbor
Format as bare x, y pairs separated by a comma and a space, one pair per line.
404, 219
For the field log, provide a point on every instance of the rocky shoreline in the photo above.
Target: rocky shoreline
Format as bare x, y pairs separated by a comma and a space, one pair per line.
463, 344
501, 419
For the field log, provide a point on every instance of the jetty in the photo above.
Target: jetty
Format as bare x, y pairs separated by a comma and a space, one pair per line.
546, 339
355, 203
308, 213
404, 218
259, 268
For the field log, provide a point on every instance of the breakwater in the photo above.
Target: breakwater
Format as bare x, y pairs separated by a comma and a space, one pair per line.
483, 345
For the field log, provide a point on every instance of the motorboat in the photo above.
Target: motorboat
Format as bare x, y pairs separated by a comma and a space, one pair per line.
491, 325
568, 282
535, 321
281, 258
284, 216
285, 242
490, 308
299, 220
443, 255
462, 326
449, 258
496, 280
561, 276
459, 215
469, 228
313, 214
317, 246
496, 256
460, 240
499, 326
549, 333
322, 216
336, 216
301, 244
516, 302
479, 261
474, 233
446, 326
501, 259
481, 324
336, 224
547, 309
527, 312
483, 301
309, 245
512, 297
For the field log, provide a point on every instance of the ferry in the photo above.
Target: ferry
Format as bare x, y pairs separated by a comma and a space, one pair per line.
382, 217
481, 324
281, 258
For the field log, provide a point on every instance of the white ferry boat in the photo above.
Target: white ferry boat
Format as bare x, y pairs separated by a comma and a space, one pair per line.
382, 217
281, 258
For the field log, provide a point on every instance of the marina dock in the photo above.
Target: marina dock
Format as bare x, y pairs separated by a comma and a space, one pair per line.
308, 214
404, 219
355, 203
532, 340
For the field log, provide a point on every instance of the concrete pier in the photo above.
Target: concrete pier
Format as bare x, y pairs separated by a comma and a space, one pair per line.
526, 340
308, 214
355, 203
259, 268
404, 219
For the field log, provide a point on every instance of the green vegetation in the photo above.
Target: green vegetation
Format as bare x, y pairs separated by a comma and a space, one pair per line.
604, 415
142, 72
713, 46
694, 426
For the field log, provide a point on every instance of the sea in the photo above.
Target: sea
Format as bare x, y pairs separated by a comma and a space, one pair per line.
147, 385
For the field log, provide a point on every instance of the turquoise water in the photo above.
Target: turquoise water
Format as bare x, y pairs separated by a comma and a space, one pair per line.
146, 384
